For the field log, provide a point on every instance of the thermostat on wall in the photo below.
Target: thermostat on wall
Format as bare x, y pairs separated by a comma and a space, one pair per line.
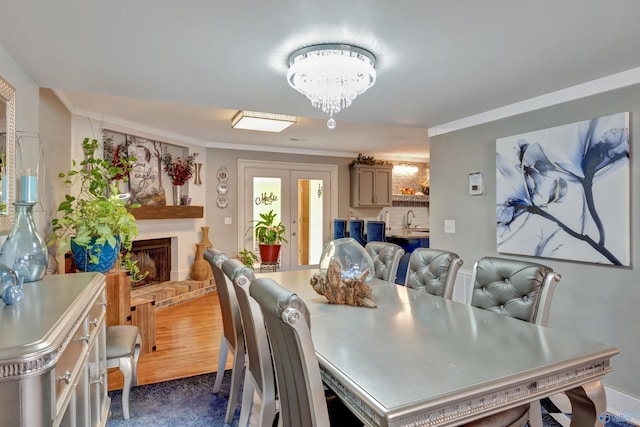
476, 186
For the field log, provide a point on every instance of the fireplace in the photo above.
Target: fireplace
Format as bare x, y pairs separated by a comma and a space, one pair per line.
154, 256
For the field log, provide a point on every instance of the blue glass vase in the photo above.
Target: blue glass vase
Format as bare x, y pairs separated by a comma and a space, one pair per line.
107, 256
24, 251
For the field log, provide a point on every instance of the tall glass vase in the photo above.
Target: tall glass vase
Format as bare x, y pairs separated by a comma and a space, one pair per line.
24, 250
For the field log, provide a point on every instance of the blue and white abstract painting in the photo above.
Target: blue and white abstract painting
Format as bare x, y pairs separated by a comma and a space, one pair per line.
563, 192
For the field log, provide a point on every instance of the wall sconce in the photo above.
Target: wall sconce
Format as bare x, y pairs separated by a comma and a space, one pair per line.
405, 169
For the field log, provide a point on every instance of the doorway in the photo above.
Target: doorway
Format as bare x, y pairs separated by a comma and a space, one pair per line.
300, 195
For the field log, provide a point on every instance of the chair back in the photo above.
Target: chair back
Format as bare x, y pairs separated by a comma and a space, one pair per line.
255, 334
376, 231
433, 270
386, 258
356, 230
231, 321
518, 289
339, 228
300, 389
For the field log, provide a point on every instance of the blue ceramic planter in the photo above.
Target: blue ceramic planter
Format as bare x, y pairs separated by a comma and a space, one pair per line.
107, 256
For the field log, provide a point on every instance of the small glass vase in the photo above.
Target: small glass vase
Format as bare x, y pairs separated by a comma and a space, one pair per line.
24, 251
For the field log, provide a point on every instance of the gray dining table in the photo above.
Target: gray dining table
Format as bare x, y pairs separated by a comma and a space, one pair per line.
421, 360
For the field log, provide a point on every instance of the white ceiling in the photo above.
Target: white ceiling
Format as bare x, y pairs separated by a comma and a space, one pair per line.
185, 67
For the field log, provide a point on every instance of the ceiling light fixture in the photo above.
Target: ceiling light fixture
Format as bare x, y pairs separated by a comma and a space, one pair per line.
265, 122
331, 75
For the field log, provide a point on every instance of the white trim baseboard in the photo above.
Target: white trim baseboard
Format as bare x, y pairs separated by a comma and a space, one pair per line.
622, 406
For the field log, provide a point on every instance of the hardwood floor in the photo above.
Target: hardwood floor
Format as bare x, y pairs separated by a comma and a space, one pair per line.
187, 343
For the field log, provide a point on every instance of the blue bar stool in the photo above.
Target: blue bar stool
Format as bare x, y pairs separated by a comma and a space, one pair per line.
339, 228
376, 231
356, 230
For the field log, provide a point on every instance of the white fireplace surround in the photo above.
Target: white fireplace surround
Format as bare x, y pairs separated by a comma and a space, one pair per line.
184, 233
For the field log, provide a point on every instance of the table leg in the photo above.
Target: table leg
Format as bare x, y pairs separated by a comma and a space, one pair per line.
588, 405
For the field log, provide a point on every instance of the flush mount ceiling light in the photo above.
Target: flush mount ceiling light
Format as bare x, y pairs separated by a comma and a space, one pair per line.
331, 75
265, 122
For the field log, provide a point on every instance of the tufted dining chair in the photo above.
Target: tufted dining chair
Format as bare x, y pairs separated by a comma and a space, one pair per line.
339, 228
433, 270
376, 231
259, 377
386, 258
356, 230
522, 290
232, 334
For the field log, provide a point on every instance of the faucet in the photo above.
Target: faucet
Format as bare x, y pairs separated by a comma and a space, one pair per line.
407, 219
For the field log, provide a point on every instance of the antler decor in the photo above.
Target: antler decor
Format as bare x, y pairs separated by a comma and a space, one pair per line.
350, 291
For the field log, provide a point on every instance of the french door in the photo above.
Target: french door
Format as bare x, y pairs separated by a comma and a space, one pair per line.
300, 195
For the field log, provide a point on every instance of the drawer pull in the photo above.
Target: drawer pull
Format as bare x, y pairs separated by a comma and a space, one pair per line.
66, 377
85, 338
99, 379
94, 322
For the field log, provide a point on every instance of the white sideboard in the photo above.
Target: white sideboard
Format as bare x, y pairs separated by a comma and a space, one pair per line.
53, 354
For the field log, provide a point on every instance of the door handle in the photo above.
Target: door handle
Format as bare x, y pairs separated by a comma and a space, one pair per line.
293, 233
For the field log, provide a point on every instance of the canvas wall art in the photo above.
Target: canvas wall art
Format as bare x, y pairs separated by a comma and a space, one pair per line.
563, 192
145, 182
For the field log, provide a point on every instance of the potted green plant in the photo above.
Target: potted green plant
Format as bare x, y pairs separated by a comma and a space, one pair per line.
248, 258
269, 235
96, 222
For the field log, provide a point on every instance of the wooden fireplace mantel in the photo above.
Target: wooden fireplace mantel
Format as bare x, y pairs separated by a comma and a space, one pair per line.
168, 212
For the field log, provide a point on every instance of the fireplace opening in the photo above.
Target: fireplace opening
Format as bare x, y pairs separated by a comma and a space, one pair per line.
153, 256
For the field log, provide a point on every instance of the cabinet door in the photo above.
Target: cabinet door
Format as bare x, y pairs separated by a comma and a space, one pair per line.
382, 187
367, 179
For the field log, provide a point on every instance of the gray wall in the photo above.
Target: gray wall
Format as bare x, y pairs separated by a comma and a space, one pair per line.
224, 237
594, 301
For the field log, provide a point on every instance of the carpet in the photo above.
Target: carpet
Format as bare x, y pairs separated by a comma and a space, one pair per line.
189, 402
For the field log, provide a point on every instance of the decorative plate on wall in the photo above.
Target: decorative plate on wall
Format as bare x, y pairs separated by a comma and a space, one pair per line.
222, 174
222, 188
222, 201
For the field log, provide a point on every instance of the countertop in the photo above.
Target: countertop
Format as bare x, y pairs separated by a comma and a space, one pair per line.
408, 233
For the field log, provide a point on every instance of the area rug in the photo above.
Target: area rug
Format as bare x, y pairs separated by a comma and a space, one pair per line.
187, 402
190, 402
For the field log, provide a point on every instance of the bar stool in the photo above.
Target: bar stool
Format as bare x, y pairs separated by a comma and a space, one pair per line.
123, 350
339, 228
356, 231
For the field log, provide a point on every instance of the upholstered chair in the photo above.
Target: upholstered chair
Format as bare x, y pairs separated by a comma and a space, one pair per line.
433, 270
522, 290
232, 336
300, 388
376, 231
356, 231
386, 258
123, 351
339, 228
259, 377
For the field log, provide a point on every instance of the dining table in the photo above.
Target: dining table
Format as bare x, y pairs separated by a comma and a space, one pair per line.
421, 360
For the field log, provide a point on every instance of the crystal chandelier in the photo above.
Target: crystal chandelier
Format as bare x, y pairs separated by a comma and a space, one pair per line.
331, 75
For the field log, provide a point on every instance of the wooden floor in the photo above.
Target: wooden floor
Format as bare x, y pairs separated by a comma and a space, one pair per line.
187, 343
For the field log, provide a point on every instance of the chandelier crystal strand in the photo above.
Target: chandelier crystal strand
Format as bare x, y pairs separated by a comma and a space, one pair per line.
331, 76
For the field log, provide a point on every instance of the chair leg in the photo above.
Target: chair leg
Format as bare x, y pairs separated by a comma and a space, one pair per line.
236, 377
535, 414
222, 360
247, 399
127, 371
136, 356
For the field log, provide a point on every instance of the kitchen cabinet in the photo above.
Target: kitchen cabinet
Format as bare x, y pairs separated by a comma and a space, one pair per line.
53, 354
370, 185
